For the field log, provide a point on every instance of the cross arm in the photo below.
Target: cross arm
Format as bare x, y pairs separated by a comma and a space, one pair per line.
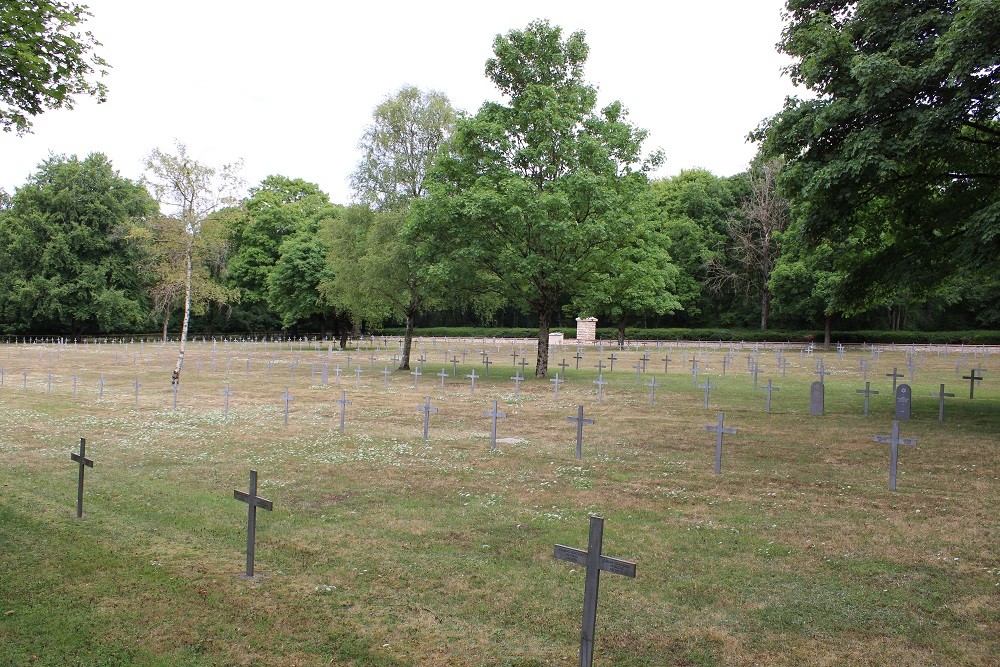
85, 461
608, 564
263, 503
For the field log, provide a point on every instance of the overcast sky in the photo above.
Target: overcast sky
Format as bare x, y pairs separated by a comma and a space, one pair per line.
289, 87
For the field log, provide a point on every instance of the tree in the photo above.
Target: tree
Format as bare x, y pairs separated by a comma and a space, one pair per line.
399, 147
539, 194
905, 118
44, 60
275, 210
408, 130
754, 240
69, 265
192, 192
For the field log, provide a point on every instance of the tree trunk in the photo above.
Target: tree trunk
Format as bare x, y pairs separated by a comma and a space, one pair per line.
187, 310
827, 325
621, 333
411, 315
765, 308
542, 363
166, 321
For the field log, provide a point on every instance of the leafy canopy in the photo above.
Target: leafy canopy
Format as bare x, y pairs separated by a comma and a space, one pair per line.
44, 60
900, 142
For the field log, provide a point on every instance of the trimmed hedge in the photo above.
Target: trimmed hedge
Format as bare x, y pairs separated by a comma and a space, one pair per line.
748, 335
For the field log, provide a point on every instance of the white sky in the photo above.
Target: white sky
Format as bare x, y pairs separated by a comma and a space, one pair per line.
290, 86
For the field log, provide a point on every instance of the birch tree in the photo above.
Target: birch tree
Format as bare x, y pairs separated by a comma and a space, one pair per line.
190, 192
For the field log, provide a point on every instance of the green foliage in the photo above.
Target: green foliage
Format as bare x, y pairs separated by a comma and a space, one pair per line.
399, 147
899, 145
293, 284
44, 60
539, 193
69, 263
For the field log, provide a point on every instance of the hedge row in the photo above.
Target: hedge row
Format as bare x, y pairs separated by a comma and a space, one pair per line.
748, 335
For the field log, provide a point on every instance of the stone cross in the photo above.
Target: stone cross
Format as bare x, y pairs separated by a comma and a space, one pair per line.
286, 398
557, 381
821, 371
343, 403
494, 415
600, 382
941, 396
100, 387
563, 365
443, 374
137, 385
486, 363
357, 377
517, 384
895, 441
817, 398
769, 389
454, 365
473, 376
971, 377
652, 390
48, 385
580, 422
514, 356
612, 358
903, 402
864, 368
75, 380
666, 364
754, 370
719, 429
594, 561
895, 375
600, 366
385, 377
867, 391
523, 364
82, 459
325, 374
226, 393
578, 356
638, 371
694, 371
427, 410
253, 501
708, 386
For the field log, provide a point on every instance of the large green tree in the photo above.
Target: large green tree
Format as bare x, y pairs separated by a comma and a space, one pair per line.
539, 193
407, 132
69, 260
45, 60
899, 142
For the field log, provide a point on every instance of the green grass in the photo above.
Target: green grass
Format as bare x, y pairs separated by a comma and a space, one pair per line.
384, 551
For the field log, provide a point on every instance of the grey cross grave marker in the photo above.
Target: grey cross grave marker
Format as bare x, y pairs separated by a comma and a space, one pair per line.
600, 382
708, 386
719, 429
226, 393
578, 356
666, 364
137, 385
454, 366
652, 390
494, 414
971, 377
903, 400
427, 410
357, 377
82, 459
895, 375
385, 377
864, 369
769, 389
580, 421
100, 387
940, 394
343, 403
694, 371
563, 365
325, 374
612, 358
253, 501
416, 377
517, 384
867, 391
594, 561
75, 380
487, 362
472, 389
556, 381
817, 398
24, 380
895, 441
286, 398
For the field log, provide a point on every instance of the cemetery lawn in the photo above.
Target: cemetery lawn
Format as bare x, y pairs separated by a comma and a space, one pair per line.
386, 551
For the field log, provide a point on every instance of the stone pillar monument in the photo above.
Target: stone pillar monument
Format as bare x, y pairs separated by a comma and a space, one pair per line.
586, 329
